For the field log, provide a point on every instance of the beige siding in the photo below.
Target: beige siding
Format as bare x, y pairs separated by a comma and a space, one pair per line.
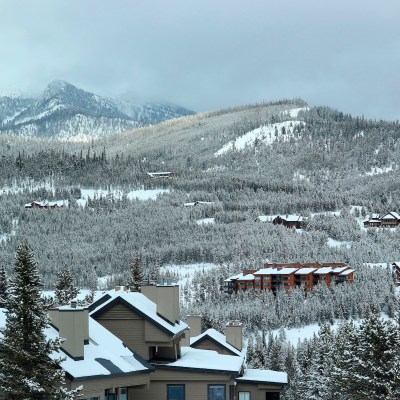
257, 391
207, 344
96, 387
196, 385
154, 334
127, 326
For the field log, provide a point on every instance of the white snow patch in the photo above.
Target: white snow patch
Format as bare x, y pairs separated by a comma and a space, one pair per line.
339, 243
266, 134
205, 221
383, 170
186, 272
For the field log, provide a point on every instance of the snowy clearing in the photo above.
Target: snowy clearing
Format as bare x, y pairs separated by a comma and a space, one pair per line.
339, 243
384, 170
205, 221
266, 134
186, 272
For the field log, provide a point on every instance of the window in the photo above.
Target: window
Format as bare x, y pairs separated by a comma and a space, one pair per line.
175, 392
272, 396
244, 396
123, 394
216, 392
304, 278
267, 278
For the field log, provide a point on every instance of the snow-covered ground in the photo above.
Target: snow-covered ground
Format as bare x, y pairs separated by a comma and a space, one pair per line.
266, 134
205, 221
339, 243
384, 170
294, 112
186, 272
138, 194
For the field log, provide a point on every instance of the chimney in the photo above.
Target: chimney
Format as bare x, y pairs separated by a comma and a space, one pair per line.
194, 322
185, 341
166, 298
234, 334
73, 326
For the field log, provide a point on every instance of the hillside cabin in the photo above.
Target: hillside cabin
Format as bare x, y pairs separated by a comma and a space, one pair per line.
389, 220
48, 204
289, 221
167, 174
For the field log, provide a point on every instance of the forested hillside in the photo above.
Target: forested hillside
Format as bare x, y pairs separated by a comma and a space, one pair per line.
330, 162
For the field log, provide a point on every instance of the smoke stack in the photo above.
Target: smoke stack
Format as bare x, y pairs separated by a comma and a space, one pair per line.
194, 322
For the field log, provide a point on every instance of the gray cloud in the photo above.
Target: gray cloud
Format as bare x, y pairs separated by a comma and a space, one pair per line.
212, 53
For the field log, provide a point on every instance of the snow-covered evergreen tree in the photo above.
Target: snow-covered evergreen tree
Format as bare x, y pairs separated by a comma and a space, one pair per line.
3, 287
27, 372
65, 289
135, 279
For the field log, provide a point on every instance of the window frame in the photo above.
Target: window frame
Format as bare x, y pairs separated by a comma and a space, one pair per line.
244, 392
182, 385
210, 385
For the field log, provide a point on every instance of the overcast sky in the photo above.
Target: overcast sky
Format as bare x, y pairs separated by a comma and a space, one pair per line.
208, 54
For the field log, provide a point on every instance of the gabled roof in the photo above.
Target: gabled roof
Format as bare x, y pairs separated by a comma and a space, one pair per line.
141, 305
391, 215
104, 356
203, 360
215, 337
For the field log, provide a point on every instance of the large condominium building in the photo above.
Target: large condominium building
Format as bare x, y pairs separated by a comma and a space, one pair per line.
275, 276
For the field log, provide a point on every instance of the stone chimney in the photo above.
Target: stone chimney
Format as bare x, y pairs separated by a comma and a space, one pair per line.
73, 325
234, 334
166, 298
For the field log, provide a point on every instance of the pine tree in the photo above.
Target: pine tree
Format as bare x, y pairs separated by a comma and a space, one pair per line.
65, 289
135, 279
3, 287
27, 372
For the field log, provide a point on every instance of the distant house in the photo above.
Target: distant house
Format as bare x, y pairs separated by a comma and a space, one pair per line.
198, 203
389, 220
289, 221
48, 204
167, 174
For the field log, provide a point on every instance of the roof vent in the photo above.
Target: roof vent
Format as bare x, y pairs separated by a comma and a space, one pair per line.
73, 303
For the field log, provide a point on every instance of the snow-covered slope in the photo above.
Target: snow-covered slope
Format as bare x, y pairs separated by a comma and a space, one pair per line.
267, 134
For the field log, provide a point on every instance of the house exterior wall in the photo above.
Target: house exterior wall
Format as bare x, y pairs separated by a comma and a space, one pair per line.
97, 386
207, 344
196, 385
257, 391
127, 326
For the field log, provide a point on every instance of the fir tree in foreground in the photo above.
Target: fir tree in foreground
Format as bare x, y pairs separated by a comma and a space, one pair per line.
26, 371
65, 289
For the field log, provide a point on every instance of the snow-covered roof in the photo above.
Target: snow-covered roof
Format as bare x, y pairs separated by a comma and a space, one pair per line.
105, 355
305, 271
349, 271
275, 271
139, 303
263, 376
292, 218
391, 215
238, 276
204, 360
248, 277
215, 336
324, 270
339, 269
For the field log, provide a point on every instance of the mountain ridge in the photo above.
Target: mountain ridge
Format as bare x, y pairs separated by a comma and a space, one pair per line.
64, 110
